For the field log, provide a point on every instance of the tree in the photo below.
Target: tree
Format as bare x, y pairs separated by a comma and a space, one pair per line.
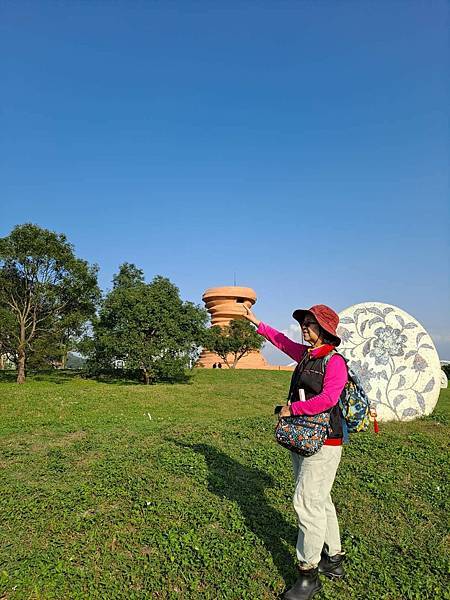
148, 327
51, 349
44, 289
232, 342
128, 276
45, 352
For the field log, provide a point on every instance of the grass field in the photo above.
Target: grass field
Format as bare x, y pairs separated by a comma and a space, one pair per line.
125, 491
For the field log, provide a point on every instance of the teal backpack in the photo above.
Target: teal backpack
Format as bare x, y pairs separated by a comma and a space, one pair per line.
354, 402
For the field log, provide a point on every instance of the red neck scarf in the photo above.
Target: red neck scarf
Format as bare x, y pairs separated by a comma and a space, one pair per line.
321, 350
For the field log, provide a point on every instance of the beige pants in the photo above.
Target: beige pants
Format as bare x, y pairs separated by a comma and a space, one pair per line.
317, 520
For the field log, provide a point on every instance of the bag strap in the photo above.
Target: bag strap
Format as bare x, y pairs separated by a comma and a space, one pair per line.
296, 374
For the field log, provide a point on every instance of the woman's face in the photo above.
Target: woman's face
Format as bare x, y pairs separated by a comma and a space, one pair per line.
310, 329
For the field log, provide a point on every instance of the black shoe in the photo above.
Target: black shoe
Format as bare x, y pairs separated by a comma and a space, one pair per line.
331, 566
306, 586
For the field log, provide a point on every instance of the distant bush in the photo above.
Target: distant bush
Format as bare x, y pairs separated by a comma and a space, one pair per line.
446, 369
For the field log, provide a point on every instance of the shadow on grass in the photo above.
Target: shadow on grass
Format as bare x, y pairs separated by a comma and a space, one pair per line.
127, 381
230, 479
53, 376
60, 376
8, 376
114, 381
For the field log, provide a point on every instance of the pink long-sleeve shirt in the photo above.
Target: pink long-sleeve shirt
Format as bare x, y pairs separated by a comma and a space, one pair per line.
333, 382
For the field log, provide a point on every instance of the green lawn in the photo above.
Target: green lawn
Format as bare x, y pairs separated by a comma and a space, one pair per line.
125, 491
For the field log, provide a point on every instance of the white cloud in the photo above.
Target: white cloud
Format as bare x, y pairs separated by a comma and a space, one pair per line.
293, 332
275, 356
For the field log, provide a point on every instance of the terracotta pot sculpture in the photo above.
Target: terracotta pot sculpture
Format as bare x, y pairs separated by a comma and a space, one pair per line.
225, 304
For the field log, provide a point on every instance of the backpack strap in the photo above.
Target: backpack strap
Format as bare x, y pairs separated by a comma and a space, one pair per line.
325, 361
296, 375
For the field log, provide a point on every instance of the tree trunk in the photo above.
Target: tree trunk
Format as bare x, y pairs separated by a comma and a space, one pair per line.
21, 354
224, 357
21, 366
237, 358
146, 377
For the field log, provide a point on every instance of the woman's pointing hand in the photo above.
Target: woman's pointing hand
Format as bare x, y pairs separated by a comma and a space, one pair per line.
248, 314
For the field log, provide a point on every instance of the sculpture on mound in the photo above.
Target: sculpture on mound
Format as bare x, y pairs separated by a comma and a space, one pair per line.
225, 304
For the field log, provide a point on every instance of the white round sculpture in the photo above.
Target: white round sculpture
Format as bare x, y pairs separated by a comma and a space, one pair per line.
444, 380
394, 358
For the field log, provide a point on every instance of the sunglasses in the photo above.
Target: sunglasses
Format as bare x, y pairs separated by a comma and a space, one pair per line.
309, 322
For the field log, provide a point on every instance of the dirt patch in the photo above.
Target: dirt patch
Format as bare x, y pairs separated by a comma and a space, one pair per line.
70, 438
88, 459
62, 441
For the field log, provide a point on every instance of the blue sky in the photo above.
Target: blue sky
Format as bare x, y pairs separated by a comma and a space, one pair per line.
302, 145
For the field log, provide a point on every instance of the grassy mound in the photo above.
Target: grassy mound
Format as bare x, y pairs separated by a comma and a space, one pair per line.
126, 491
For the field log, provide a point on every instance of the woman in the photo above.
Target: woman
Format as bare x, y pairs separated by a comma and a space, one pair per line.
318, 544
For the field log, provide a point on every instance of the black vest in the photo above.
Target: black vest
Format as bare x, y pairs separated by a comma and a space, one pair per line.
308, 375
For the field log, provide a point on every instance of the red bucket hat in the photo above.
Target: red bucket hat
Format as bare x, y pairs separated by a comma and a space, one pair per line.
325, 316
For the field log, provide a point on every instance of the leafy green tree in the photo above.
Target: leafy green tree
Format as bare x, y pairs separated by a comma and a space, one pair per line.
45, 352
148, 327
51, 349
232, 342
44, 289
128, 276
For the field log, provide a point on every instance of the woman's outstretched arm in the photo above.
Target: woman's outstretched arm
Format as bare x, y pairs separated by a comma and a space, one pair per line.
278, 339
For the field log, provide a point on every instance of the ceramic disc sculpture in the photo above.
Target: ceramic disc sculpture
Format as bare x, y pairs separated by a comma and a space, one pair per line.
394, 357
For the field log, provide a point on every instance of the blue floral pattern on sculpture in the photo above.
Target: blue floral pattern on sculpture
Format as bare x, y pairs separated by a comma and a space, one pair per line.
388, 342
365, 374
394, 358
